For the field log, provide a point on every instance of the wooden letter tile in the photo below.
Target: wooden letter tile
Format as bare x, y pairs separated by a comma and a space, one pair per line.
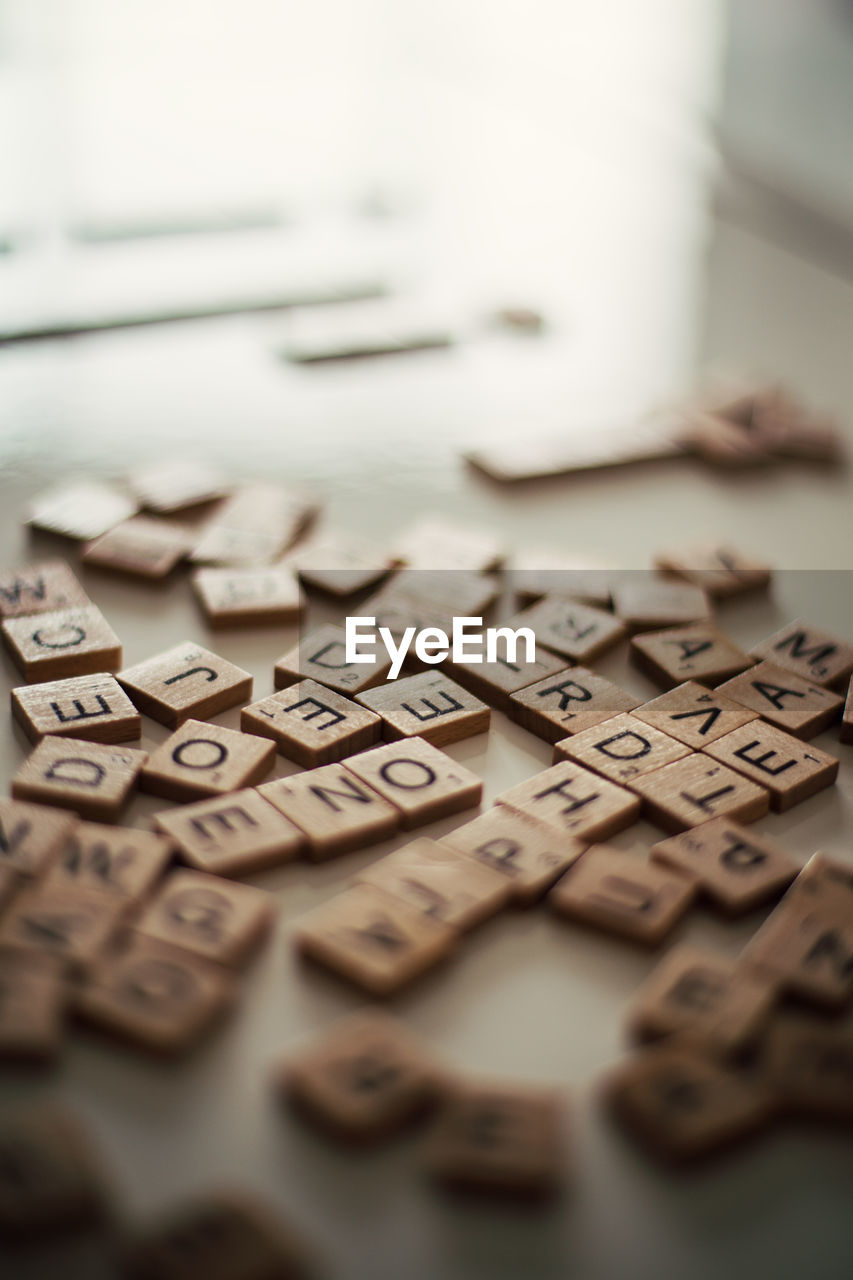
808, 1067
806, 947
141, 547
434, 542
336, 811
94, 708
690, 791
694, 715
81, 510
737, 869
825, 882
201, 760
645, 603
623, 894
429, 705
232, 835
441, 882
93, 779
248, 597
700, 652
496, 682
69, 642
311, 724
569, 702
338, 564
811, 654
31, 836
32, 1002
120, 860
621, 749
321, 656
169, 486
578, 802
530, 853
847, 721
45, 587
722, 571
213, 918
790, 770
74, 925
50, 1181
184, 682
420, 781
576, 631
777, 695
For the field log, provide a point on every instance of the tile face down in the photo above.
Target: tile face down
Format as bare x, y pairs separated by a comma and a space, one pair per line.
47, 586
738, 869
568, 702
93, 707
200, 760
185, 682
790, 770
125, 861
31, 836
429, 705
700, 652
777, 695
55, 646
530, 853
336, 810
141, 547
575, 800
576, 631
232, 835
721, 571
212, 918
311, 724
420, 781
808, 652
321, 656
612, 890
248, 597
439, 881
91, 778
690, 791
694, 715
644, 603
621, 749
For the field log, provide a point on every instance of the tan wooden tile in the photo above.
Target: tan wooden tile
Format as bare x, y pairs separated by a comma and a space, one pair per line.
699, 652
311, 724
435, 591
810, 653
121, 860
154, 996
500, 1137
543, 572
689, 792
621, 749
248, 597
806, 947
81, 510
807, 1065
526, 458
847, 719
694, 715
789, 769
825, 881
32, 1005
321, 656
364, 1078
10, 883
720, 570
434, 542
336, 811
185, 682
31, 836
50, 1179
647, 604
575, 800
495, 682
200, 760
569, 702
44, 587
623, 894
530, 853
74, 925
93, 707
576, 631
338, 564
440, 881
704, 996
210, 917
429, 705
232, 835
91, 778
253, 526
373, 940
737, 869
722, 443
174, 485
142, 547
70, 642
420, 781
777, 695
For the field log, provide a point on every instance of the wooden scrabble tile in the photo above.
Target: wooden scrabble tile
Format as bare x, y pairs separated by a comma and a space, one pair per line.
569, 702
681, 1104
169, 485
825, 882
361, 330
623, 894
807, 1065
232, 835
70, 642
798, 706
434, 542
573, 630
530, 853
93, 707
737, 869
806, 948
248, 597
321, 656
699, 652
688, 792
449, 592
441, 882
722, 443
183, 682
847, 719
542, 572
789, 769
694, 715
496, 682
429, 705
311, 724
645, 603
720, 570
93, 779
253, 526
521, 457
45, 587
121, 860
621, 749
31, 836
500, 1138
50, 1180
339, 564
154, 996
81, 510
73, 925
143, 547
576, 801
210, 917
420, 781
363, 1079
812, 654
704, 996
200, 760
336, 811
375, 941
32, 1004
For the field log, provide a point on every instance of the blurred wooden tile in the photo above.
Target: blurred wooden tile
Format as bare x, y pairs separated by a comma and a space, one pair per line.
420, 781
253, 526
45, 587
321, 656
94, 708
798, 706
530, 853
736, 868
248, 597
336, 811
31, 836
11, 882
569, 702
74, 925
121, 860
200, 760
81, 510
825, 882
434, 542
429, 705
688, 792
183, 682
232, 835
574, 800
810, 653
847, 719
32, 1005
790, 770
700, 652
210, 917
643, 603
573, 630
806, 948
171, 485
440, 881
621, 749
807, 1065
544, 572
70, 642
311, 724
495, 682
339, 564
623, 894
436, 591
524, 457
719, 569
93, 779
694, 715
373, 940
361, 1080
50, 1179
501, 1138
142, 547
